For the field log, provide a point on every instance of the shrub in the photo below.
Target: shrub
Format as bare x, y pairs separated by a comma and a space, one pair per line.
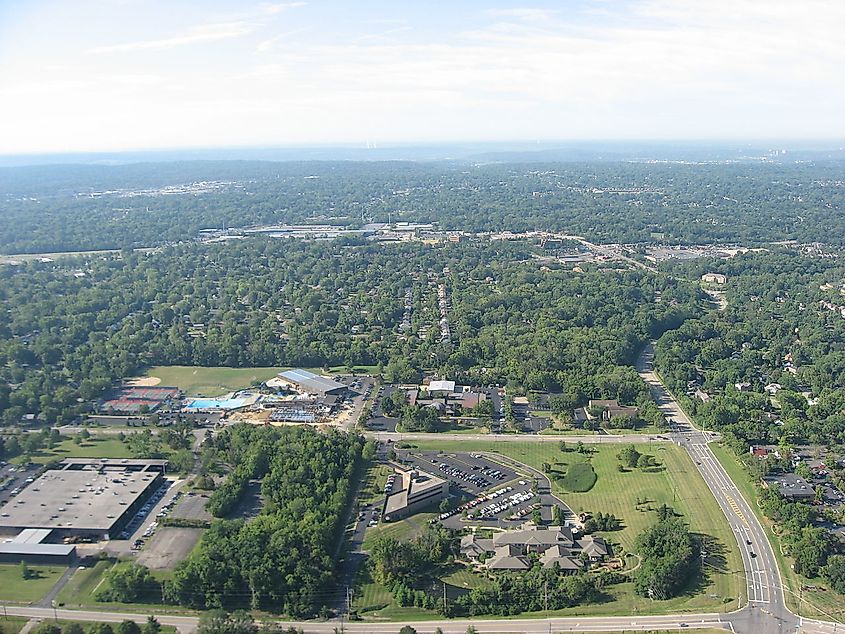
579, 477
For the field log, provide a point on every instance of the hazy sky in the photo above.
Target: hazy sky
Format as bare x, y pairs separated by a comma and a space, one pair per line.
133, 74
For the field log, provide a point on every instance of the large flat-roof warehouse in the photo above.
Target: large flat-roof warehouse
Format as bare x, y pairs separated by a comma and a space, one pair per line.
84, 497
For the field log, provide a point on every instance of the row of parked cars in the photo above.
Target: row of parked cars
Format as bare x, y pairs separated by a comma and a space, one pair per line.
524, 511
511, 501
474, 478
388, 486
481, 499
145, 510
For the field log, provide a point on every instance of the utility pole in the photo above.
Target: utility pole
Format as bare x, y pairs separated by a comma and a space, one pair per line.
348, 601
444, 598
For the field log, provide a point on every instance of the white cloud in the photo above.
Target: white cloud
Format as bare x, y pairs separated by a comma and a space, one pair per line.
272, 44
200, 33
528, 14
272, 8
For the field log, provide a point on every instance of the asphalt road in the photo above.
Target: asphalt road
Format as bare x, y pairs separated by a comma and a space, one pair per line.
625, 439
483, 626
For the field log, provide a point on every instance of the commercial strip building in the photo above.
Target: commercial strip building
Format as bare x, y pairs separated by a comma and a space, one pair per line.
551, 546
791, 486
83, 498
417, 491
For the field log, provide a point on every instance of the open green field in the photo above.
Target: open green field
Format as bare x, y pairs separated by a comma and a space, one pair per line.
201, 381
13, 624
79, 589
216, 381
94, 447
14, 588
406, 529
820, 603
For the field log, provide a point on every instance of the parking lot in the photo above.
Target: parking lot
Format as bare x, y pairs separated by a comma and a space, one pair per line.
144, 525
150, 509
378, 421
169, 546
192, 507
13, 479
489, 493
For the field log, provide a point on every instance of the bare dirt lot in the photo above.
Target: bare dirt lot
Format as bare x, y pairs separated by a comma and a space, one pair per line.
143, 381
168, 547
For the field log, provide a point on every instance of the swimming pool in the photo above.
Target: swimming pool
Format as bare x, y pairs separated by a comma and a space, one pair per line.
216, 403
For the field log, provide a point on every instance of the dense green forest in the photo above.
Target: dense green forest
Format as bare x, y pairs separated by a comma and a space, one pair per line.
283, 559
783, 328
84, 207
772, 369
75, 326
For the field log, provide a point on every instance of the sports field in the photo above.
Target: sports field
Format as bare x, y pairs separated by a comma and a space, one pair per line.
204, 381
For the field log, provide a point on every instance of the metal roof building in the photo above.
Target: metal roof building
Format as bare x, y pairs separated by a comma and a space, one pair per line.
28, 546
312, 383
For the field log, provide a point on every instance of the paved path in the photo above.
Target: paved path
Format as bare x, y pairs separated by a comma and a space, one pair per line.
30, 625
47, 601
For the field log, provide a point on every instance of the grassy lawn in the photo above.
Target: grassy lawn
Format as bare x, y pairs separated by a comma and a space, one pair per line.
405, 529
16, 589
13, 624
86, 625
79, 591
566, 431
199, 381
465, 578
357, 369
373, 601
372, 487
94, 447
821, 603
676, 482
645, 429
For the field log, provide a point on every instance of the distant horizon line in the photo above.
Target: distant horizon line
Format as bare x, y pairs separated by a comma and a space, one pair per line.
833, 142
459, 150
